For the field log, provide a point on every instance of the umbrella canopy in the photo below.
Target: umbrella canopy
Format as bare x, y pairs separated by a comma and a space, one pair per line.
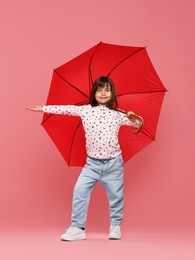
138, 89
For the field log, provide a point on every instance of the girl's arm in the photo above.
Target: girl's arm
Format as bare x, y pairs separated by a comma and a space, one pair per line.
71, 110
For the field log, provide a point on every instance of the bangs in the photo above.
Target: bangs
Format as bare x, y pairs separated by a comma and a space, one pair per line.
104, 85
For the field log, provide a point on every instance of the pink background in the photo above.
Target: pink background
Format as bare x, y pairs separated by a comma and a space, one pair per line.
36, 184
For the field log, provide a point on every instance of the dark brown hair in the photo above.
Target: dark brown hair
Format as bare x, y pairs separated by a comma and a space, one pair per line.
101, 82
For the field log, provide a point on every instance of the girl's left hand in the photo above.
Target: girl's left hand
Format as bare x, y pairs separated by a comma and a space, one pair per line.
133, 117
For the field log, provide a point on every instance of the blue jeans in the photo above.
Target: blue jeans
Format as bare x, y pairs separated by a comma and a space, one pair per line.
111, 174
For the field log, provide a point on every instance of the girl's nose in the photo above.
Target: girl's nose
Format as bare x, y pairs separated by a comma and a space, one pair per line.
103, 92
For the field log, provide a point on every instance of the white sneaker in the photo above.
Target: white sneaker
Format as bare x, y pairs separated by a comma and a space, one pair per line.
73, 233
115, 232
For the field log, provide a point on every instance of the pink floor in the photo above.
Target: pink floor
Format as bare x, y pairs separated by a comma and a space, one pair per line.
46, 245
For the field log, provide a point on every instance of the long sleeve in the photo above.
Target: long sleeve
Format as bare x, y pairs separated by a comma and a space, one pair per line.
63, 110
101, 126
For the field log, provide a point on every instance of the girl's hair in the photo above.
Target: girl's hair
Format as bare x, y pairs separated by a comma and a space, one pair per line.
101, 82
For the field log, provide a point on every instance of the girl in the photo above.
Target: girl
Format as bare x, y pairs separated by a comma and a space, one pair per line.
101, 121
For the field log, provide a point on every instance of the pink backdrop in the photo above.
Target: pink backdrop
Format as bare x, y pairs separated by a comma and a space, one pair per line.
36, 185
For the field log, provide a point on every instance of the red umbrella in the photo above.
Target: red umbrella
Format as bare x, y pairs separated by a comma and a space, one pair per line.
138, 88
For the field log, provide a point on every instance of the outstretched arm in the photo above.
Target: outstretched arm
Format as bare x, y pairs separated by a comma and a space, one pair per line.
37, 108
71, 110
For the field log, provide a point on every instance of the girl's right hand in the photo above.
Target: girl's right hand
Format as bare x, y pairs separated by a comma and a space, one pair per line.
37, 108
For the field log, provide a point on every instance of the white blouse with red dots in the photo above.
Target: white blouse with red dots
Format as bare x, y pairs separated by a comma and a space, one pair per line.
101, 125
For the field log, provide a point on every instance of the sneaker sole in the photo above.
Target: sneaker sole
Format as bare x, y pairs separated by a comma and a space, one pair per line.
114, 238
73, 239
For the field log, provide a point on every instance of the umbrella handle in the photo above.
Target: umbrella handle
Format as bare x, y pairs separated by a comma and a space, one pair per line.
133, 117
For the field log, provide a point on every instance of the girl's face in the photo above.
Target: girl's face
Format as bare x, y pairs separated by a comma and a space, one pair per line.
103, 94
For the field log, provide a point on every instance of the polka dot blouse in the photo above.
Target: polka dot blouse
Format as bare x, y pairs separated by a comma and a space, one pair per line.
101, 126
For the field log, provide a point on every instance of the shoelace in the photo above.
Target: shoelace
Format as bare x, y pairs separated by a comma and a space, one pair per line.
70, 228
114, 228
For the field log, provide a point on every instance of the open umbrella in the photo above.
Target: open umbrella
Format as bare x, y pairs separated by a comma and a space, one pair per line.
138, 88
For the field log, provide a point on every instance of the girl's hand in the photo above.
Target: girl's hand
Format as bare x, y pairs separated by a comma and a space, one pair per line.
37, 108
130, 115
133, 117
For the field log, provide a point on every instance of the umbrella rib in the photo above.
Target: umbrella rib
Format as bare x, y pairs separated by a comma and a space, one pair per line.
152, 138
82, 103
141, 48
46, 119
149, 92
79, 124
71, 84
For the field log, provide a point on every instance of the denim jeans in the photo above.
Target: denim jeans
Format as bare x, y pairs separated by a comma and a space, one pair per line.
110, 173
